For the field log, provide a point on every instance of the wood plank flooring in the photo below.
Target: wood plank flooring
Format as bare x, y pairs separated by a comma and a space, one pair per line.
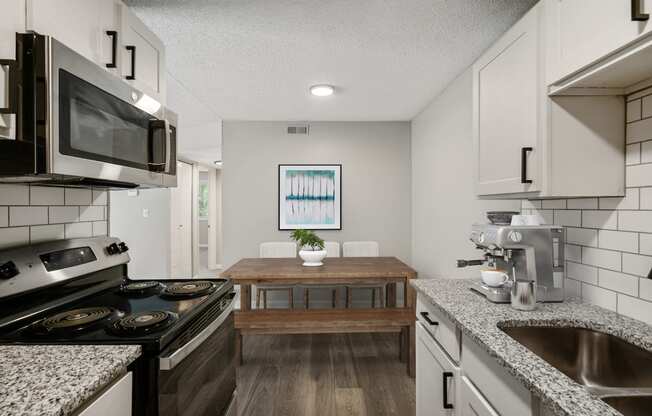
324, 375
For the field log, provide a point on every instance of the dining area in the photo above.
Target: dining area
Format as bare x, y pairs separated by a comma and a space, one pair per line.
353, 289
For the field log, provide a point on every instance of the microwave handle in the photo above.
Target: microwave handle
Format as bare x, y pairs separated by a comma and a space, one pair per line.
165, 126
10, 86
172, 360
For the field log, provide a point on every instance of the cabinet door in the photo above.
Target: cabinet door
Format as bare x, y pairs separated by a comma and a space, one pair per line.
581, 32
507, 81
143, 57
115, 401
12, 20
472, 403
433, 371
79, 24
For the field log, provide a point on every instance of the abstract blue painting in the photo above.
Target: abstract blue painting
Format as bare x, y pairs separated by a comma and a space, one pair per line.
310, 197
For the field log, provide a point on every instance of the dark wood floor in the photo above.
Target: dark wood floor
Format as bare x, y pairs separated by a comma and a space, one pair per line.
324, 375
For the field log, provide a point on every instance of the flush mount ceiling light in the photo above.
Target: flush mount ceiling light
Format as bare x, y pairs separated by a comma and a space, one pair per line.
322, 90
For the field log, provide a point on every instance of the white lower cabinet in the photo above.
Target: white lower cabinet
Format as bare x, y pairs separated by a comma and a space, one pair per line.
115, 401
471, 401
437, 377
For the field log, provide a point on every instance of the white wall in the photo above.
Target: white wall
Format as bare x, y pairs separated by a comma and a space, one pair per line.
375, 160
148, 236
444, 204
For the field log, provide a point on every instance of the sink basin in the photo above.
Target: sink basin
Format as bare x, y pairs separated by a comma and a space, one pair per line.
594, 359
631, 405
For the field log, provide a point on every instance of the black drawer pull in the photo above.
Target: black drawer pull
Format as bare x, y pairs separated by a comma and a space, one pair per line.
427, 318
114, 47
637, 15
524, 152
446, 375
132, 49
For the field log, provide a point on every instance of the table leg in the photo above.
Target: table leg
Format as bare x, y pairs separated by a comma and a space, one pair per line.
411, 365
238, 347
403, 345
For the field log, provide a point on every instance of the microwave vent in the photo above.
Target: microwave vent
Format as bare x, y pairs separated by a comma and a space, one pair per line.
298, 130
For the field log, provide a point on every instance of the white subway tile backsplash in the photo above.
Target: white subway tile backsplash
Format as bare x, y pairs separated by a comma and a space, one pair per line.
645, 291
568, 218
43, 233
637, 265
573, 253
100, 197
4, 216
646, 198
528, 204
620, 282
553, 204
618, 240
64, 214
544, 216
16, 236
581, 272
639, 131
635, 308
79, 230
14, 194
91, 213
629, 201
582, 236
646, 152
598, 296
583, 203
601, 258
100, 228
638, 175
43, 195
647, 106
572, 288
645, 244
634, 110
633, 154
77, 196
600, 219
27, 216
635, 221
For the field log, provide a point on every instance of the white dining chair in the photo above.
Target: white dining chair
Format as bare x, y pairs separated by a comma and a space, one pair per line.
332, 251
363, 249
276, 250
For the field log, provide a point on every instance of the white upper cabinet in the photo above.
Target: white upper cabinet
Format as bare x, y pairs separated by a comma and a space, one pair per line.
506, 97
581, 32
12, 20
143, 56
528, 144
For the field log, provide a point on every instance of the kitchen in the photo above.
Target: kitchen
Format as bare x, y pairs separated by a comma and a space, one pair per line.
248, 208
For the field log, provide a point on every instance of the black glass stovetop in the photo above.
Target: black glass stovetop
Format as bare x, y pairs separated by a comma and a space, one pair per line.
149, 313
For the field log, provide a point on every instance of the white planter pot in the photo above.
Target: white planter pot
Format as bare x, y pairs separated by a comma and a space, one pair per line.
312, 258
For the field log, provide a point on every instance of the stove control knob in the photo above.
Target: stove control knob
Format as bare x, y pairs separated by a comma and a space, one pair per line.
8, 270
123, 247
113, 249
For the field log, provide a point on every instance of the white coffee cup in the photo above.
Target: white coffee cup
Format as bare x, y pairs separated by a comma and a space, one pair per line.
494, 278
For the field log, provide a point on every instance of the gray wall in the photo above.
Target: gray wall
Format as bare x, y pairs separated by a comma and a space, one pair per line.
375, 158
148, 238
443, 200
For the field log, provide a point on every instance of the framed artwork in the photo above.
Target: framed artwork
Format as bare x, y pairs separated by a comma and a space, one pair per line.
310, 197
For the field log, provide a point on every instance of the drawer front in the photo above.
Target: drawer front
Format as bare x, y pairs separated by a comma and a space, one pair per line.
115, 401
440, 327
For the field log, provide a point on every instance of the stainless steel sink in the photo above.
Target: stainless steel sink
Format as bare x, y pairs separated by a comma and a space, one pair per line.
618, 372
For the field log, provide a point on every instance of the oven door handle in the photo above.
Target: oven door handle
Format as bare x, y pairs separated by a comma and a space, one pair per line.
171, 361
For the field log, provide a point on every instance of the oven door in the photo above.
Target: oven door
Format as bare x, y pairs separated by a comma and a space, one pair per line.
199, 378
101, 127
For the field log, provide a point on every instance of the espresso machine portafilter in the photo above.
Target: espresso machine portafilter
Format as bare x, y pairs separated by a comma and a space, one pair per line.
526, 253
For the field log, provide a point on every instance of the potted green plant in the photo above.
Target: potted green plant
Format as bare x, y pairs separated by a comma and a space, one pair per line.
311, 247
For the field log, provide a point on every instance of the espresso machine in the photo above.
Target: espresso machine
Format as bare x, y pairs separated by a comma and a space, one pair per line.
525, 252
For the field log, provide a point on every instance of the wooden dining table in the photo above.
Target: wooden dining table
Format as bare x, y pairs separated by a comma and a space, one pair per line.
343, 271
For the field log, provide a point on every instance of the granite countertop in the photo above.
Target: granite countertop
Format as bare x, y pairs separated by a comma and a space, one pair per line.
54, 380
478, 319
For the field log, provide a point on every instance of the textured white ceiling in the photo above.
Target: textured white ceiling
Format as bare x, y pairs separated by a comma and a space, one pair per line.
255, 59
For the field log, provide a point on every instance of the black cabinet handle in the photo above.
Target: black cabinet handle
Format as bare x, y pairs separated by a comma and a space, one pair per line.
114, 47
524, 152
132, 49
637, 15
446, 375
427, 318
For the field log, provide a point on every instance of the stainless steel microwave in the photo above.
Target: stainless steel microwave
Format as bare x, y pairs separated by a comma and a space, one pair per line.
77, 124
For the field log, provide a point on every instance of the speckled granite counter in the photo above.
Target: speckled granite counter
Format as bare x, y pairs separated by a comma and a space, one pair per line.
479, 319
54, 380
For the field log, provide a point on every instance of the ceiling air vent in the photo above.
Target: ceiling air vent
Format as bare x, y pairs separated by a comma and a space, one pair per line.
298, 129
